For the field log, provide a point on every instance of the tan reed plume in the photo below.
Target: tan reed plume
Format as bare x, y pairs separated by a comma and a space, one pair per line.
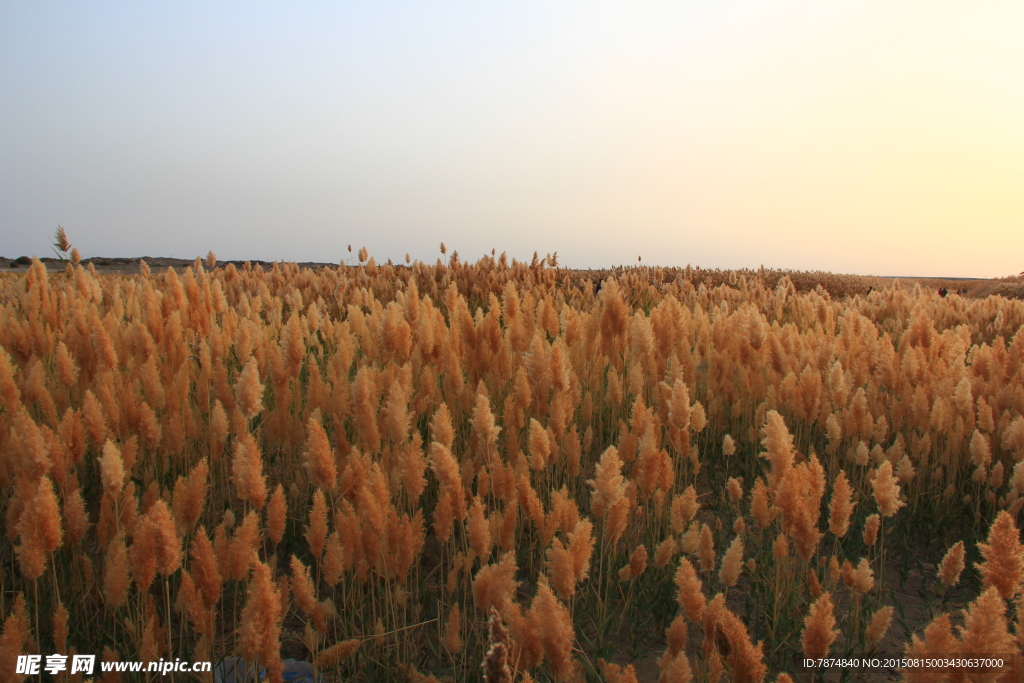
318, 458
247, 471
249, 390
726, 633
677, 670
667, 550
479, 530
189, 497
259, 630
554, 627
337, 653
1003, 567
952, 564
732, 563
111, 470
841, 506
613, 673
684, 508
204, 568
636, 566
116, 573
871, 526
886, 490
690, 592
760, 509
879, 624
495, 665
452, 640
818, 633
706, 549
316, 532
495, 584
863, 577
938, 640
985, 630
277, 512
14, 638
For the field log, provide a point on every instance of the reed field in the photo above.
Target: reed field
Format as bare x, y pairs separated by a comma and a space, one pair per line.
509, 471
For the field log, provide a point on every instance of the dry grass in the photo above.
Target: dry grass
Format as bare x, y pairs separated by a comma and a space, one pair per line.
361, 466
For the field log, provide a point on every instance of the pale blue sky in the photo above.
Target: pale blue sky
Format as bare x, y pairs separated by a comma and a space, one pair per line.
865, 137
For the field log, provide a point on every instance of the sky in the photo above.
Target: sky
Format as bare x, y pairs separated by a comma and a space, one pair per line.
877, 138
